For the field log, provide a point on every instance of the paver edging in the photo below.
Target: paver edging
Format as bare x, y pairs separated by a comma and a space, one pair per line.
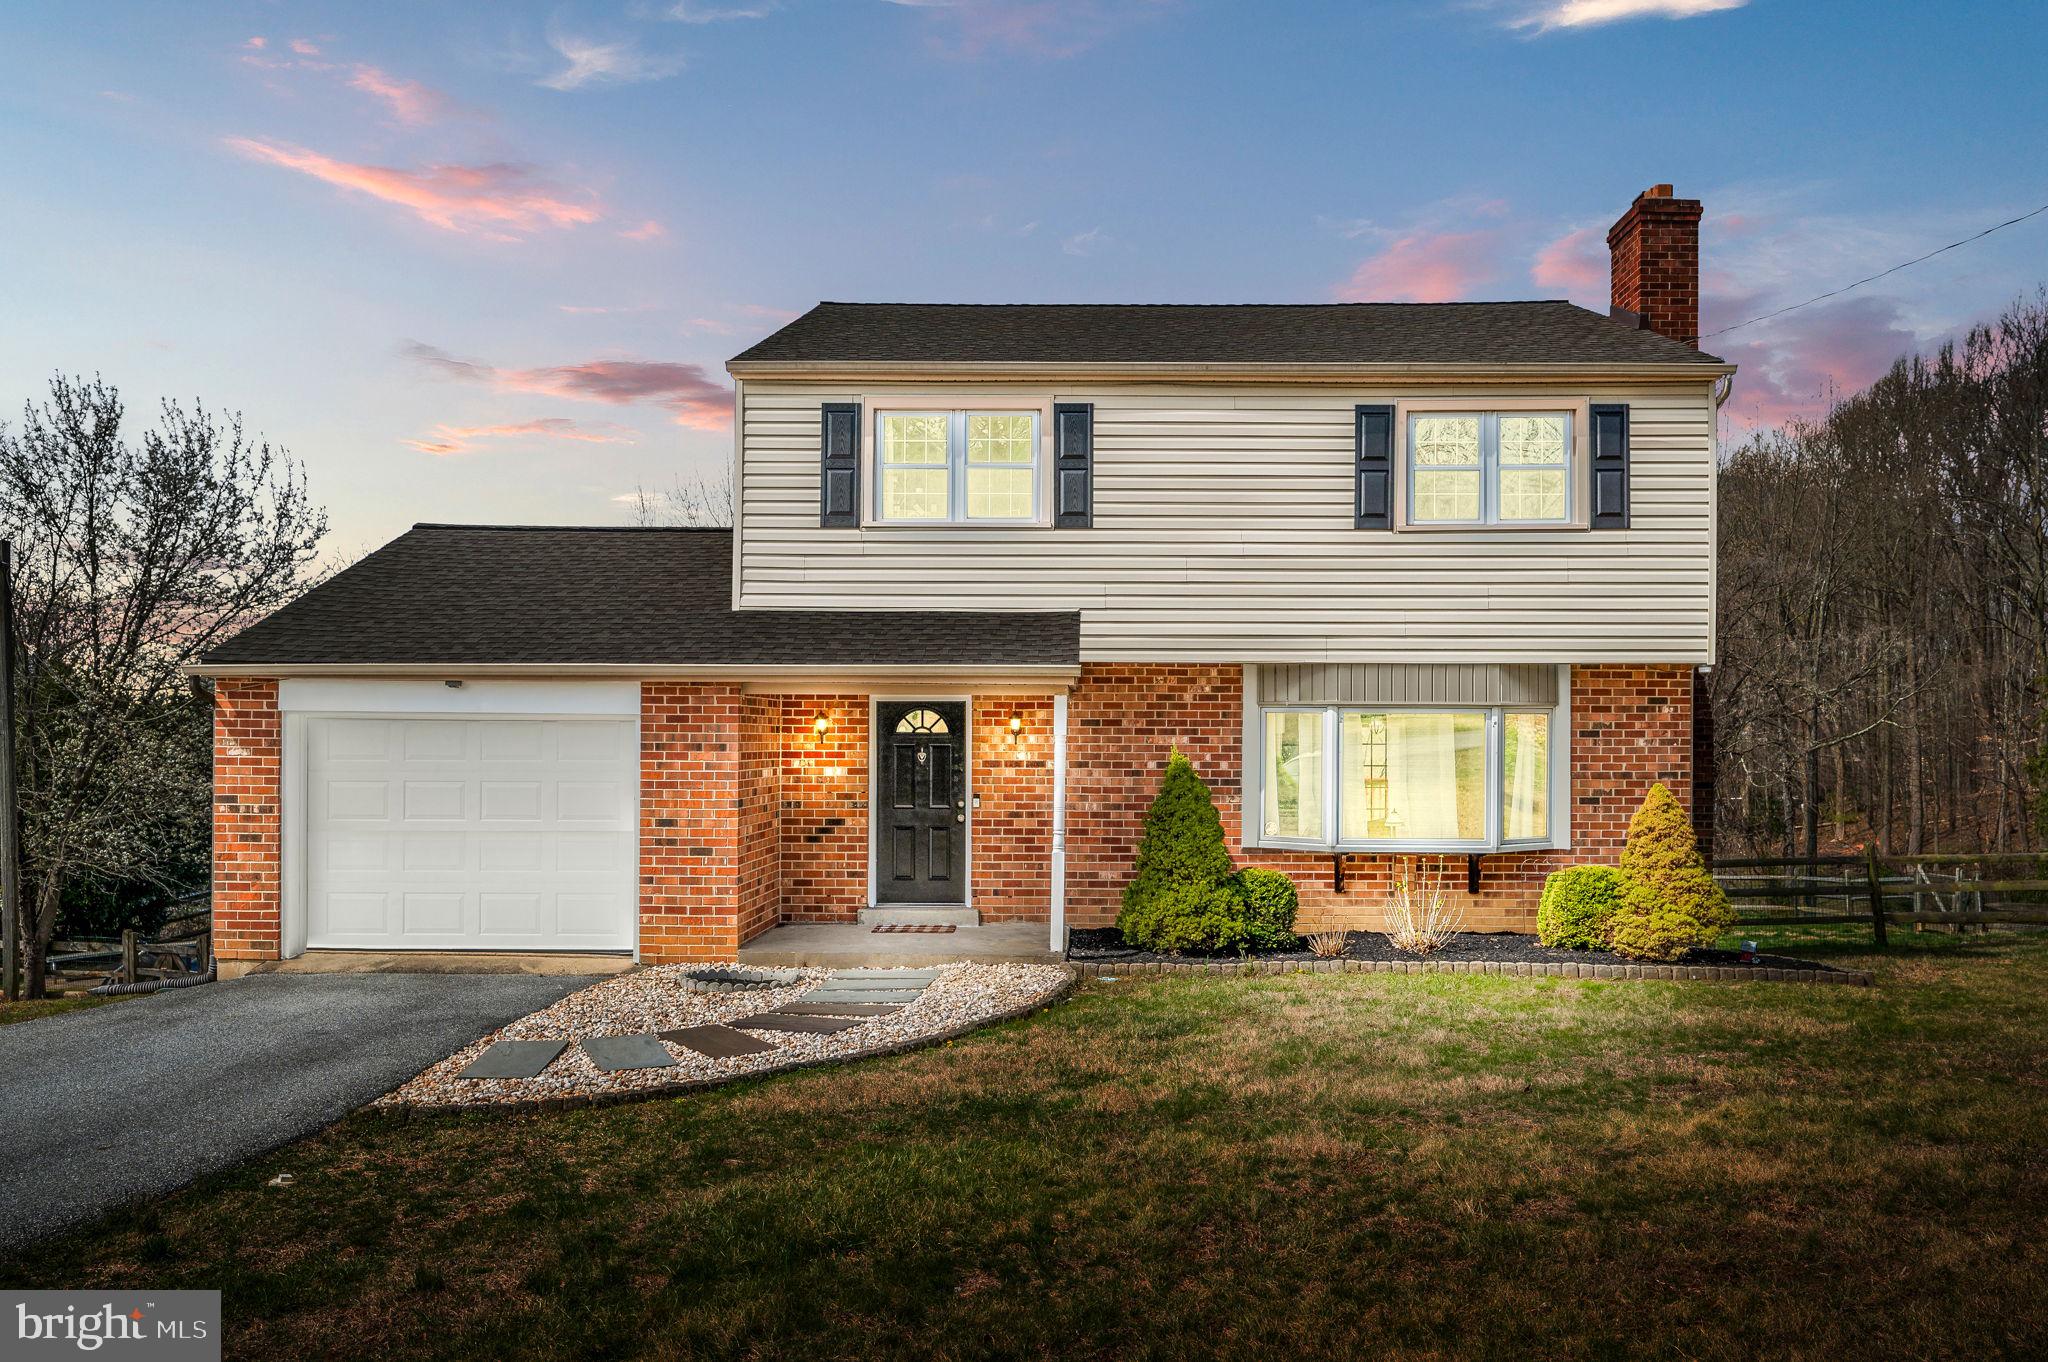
1554, 969
688, 1086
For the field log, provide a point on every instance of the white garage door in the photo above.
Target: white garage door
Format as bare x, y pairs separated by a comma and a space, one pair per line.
478, 834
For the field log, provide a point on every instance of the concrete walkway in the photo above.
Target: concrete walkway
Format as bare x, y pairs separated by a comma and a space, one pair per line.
844, 945
139, 1097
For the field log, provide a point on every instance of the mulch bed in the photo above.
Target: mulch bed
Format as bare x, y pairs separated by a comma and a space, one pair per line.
1105, 945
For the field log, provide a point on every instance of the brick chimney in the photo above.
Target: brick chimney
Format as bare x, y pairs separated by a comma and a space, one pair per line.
1656, 264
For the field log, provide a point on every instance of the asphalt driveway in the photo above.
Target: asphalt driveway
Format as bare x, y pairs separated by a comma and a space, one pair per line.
98, 1108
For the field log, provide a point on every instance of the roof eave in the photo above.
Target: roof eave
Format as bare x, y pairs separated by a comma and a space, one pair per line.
1061, 671
1234, 372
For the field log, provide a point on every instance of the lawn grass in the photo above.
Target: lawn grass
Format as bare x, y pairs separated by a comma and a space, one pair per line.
27, 1010
1291, 1166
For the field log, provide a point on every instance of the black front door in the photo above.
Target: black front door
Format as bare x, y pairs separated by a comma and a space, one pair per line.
921, 842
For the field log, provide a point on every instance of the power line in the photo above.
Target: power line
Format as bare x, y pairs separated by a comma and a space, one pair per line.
1833, 293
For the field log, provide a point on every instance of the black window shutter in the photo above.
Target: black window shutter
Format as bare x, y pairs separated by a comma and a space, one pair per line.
1610, 466
1374, 509
1073, 465
839, 465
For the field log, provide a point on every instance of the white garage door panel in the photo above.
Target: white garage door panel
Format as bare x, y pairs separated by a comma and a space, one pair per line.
480, 834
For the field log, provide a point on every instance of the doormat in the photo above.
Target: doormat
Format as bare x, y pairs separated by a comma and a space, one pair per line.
913, 927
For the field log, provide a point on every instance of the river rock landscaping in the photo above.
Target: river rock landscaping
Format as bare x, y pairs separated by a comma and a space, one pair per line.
800, 1018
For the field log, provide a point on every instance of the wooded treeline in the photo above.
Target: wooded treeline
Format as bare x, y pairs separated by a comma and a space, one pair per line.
1883, 658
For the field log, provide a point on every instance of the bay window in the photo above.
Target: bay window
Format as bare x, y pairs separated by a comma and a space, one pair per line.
956, 466
1406, 778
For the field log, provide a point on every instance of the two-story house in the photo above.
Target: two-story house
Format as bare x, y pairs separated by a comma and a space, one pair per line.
1400, 578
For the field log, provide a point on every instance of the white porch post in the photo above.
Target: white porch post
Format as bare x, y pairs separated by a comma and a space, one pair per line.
1059, 822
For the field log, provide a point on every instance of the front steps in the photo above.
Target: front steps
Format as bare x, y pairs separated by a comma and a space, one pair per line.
919, 917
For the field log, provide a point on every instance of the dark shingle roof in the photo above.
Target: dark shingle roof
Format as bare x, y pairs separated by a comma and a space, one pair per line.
502, 594
1553, 332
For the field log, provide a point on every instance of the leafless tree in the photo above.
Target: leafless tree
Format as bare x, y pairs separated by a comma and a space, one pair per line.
1884, 609
132, 558
698, 503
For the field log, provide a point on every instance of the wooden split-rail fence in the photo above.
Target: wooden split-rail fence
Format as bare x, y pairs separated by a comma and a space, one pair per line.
1948, 889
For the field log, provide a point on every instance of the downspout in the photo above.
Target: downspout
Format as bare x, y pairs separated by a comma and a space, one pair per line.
1058, 914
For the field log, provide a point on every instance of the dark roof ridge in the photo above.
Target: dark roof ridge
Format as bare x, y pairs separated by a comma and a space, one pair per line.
1503, 333
607, 529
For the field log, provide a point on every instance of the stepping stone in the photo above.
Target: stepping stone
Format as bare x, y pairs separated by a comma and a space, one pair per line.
871, 996
906, 975
515, 1059
719, 1042
616, 1053
812, 1008
776, 1021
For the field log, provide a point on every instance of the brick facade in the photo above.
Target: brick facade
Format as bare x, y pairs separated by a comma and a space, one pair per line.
824, 808
1011, 777
1631, 727
690, 819
760, 815
248, 748
749, 819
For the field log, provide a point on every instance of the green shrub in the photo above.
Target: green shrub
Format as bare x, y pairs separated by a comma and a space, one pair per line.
1270, 900
1200, 919
1183, 841
1669, 903
1183, 894
1577, 903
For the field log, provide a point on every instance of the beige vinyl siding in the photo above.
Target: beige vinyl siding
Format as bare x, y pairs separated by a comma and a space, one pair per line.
1223, 533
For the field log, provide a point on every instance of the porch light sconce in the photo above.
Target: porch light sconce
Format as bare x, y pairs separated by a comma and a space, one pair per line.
821, 726
1016, 727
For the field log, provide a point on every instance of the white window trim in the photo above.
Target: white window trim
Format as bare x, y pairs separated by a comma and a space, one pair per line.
1557, 756
956, 465
1578, 467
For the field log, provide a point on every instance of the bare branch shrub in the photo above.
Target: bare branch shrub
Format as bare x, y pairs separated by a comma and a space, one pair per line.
1422, 917
1325, 945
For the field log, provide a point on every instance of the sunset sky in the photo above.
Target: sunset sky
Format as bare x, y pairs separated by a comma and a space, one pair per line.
486, 261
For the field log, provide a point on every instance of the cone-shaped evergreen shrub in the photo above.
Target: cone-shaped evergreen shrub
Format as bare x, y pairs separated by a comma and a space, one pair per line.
1669, 903
1183, 841
1577, 903
1184, 894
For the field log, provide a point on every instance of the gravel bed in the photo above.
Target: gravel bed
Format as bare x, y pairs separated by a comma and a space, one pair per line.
656, 999
1106, 945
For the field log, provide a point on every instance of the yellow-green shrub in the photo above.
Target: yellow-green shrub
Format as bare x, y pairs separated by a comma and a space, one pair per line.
1669, 903
1577, 904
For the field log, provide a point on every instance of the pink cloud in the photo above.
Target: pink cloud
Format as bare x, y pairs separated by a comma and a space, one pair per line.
304, 47
409, 101
1423, 267
650, 230
1576, 265
498, 201
1041, 28
446, 439
257, 44
689, 395
1799, 365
